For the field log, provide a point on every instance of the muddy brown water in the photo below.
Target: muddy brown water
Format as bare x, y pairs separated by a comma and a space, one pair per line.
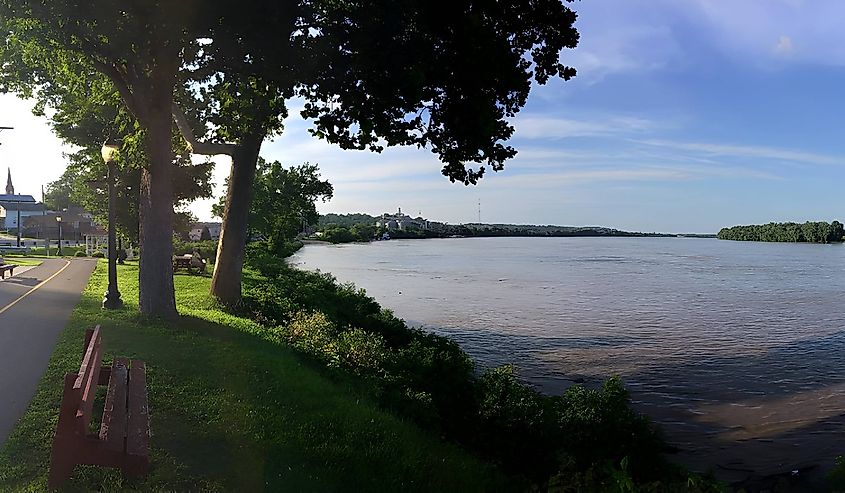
736, 349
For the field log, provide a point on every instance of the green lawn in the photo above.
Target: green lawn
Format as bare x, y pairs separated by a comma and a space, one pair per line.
232, 411
24, 261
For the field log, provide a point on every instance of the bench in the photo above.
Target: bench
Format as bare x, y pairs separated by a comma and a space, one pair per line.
123, 440
7, 268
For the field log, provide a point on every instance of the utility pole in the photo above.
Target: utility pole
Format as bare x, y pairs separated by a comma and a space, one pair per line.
479, 211
18, 205
44, 223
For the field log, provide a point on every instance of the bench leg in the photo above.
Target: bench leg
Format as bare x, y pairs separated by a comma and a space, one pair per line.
60, 471
135, 466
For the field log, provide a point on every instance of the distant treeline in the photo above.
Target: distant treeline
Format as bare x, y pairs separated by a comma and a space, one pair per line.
809, 232
342, 228
345, 220
483, 230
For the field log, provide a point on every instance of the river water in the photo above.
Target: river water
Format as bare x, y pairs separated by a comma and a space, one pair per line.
736, 349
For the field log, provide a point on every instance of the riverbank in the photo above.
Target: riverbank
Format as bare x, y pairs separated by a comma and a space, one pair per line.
232, 410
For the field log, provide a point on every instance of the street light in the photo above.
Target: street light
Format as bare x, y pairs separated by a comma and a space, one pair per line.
59, 221
112, 299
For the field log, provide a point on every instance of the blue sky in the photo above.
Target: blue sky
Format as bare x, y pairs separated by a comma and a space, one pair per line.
686, 116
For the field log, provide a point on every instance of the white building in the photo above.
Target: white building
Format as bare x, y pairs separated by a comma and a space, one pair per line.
213, 229
13, 206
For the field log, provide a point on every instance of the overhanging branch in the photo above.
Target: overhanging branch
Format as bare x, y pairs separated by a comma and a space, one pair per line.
197, 147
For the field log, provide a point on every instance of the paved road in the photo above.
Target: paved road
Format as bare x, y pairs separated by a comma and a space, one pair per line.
34, 308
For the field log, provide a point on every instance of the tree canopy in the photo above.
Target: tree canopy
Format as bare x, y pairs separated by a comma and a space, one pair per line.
285, 200
376, 73
809, 232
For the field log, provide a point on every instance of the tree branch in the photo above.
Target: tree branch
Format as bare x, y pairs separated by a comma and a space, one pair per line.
120, 83
197, 147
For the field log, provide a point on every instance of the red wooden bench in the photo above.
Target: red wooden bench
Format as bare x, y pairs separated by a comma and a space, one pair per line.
7, 267
123, 440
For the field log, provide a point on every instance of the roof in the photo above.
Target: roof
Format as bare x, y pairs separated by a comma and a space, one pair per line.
20, 206
16, 198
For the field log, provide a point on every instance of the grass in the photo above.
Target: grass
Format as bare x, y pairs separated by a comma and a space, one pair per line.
23, 261
233, 411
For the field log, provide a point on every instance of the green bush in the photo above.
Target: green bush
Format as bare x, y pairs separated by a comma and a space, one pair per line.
207, 249
836, 476
361, 351
80, 254
338, 235
98, 254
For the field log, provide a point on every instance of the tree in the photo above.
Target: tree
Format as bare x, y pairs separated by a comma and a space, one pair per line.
182, 222
385, 73
284, 199
372, 74
140, 49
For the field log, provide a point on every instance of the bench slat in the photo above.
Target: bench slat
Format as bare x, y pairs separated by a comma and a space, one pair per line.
113, 427
88, 378
138, 426
87, 361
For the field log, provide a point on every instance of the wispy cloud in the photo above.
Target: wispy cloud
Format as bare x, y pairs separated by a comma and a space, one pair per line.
544, 127
764, 152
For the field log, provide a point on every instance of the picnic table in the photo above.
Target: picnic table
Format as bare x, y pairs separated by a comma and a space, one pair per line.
188, 263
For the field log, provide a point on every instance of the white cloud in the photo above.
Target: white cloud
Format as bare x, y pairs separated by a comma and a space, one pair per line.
784, 46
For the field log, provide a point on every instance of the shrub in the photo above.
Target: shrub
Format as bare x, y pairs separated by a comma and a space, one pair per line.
98, 254
599, 423
312, 333
518, 423
207, 249
268, 304
361, 351
836, 476
80, 254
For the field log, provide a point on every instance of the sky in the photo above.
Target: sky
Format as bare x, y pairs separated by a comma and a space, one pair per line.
685, 116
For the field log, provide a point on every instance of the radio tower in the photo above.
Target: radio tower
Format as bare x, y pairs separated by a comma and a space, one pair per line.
479, 211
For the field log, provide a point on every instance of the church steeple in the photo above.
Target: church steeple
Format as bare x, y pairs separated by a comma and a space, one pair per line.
10, 189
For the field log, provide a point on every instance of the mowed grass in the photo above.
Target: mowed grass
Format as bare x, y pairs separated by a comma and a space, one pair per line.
22, 261
233, 411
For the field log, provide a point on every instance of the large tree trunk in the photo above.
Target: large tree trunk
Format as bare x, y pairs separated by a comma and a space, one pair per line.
228, 267
156, 295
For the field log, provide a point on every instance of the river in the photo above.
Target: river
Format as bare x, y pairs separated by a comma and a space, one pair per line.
736, 349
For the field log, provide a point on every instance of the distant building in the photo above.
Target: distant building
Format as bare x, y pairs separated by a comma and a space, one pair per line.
13, 206
10, 189
401, 222
213, 229
76, 224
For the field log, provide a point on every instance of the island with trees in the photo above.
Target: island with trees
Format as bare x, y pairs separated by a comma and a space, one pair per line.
808, 232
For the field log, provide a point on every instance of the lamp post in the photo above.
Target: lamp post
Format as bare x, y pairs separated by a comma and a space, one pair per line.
112, 299
59, 221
